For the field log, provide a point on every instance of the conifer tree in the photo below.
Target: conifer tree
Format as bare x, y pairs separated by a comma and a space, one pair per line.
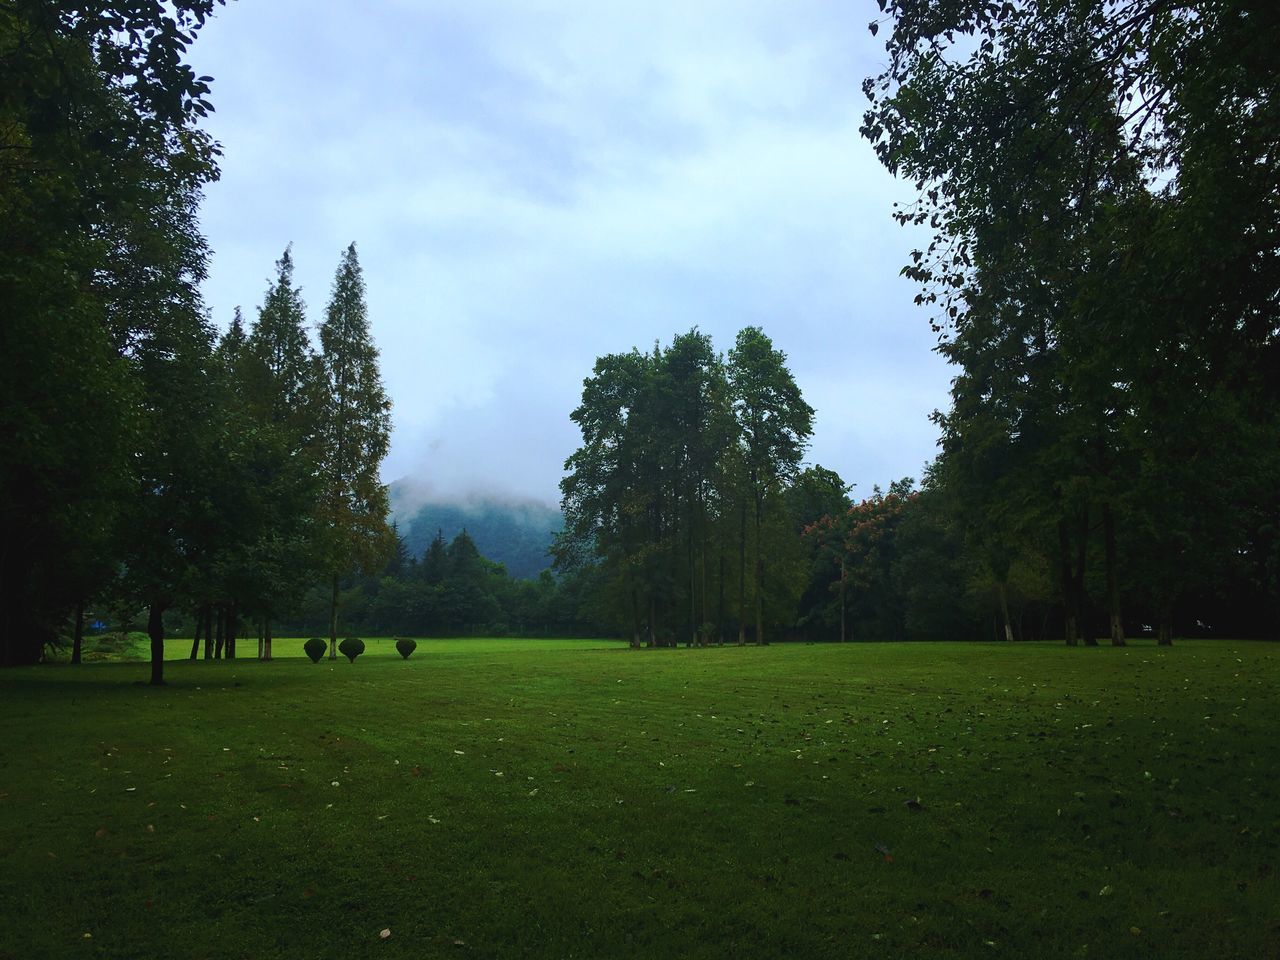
355, 433
775, 424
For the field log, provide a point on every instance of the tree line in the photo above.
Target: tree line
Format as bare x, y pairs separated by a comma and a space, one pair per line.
1098, 184
152, 464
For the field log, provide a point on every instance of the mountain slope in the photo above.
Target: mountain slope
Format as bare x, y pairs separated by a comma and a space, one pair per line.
516, 533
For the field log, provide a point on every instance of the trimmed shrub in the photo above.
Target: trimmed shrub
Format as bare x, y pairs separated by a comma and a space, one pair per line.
351, 648
405, 646
315, 648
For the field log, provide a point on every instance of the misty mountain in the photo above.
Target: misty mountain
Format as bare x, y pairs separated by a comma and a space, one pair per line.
516, 533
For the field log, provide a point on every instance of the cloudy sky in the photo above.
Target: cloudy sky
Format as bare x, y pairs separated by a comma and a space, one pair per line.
534, 184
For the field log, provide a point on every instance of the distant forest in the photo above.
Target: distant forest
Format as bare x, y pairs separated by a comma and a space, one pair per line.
1097, 188
517, 534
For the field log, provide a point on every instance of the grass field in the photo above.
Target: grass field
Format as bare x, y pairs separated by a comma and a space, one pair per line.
575, 799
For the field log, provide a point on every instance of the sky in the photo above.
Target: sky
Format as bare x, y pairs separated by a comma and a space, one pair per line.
532, 185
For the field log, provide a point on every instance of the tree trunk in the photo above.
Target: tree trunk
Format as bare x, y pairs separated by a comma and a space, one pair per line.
653, 625
635, 618
1165, 630
195, 638
1113, 589
221, 640
720, 607
1067, 580
760, 637
208, 632
693, 592
266, 638
155, 630
230, 649
333, 620
1004, 610
742, 576
77, 640
844, 634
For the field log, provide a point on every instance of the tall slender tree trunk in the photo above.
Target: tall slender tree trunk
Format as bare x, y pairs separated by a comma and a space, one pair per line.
333, 620
232, 620
1077, 581
844, 636
720, 607
195, 639
266, 638
77, 640
1003, 589
1164, 629
742, 576
155, 630
653, 621
693, 590
261, 624
221, 640
1072, 574
760, 637
208, 631
635, 617
703, 633
1112, 574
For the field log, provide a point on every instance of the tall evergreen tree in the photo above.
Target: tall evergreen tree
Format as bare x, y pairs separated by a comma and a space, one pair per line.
775, 424
355, 434
282, 392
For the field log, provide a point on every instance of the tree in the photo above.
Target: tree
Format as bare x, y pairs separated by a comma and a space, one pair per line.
355, 432
99, 159
1098, 180
282, 393
775, 425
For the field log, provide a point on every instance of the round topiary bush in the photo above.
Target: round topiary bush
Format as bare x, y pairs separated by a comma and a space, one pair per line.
351, 648
405, 646
315, 648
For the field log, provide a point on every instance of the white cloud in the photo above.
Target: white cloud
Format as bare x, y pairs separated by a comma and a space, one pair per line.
532, 185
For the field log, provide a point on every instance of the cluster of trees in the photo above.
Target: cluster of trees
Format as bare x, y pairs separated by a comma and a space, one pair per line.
1099, 183
453, 590
151, 464
297, 436
677, 496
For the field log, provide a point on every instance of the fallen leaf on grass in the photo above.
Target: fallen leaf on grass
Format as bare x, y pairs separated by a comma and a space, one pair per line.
385, 934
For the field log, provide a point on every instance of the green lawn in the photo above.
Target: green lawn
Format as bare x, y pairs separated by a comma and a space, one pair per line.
575, 799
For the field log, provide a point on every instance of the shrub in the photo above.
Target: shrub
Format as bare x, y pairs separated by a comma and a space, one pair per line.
315, 648
351, 648
405, 646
